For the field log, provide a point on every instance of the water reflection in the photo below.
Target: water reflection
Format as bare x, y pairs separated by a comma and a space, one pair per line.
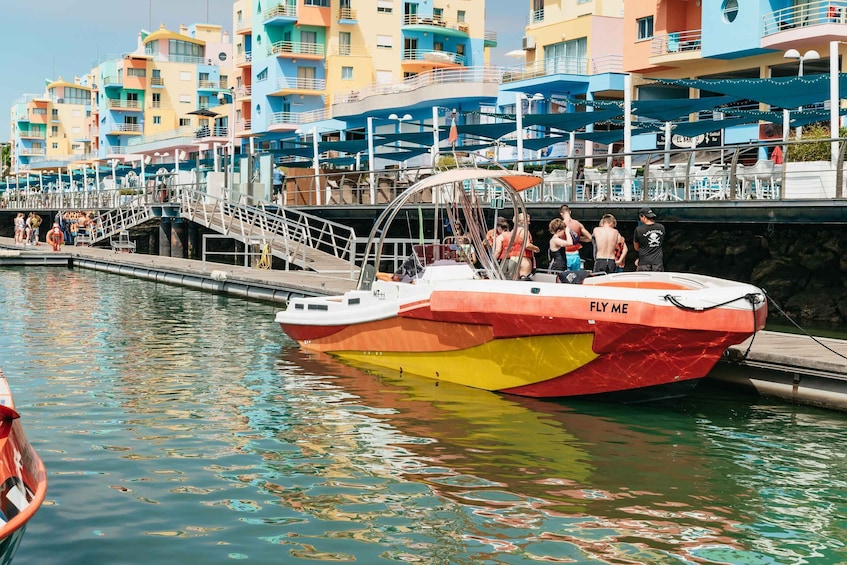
192, 421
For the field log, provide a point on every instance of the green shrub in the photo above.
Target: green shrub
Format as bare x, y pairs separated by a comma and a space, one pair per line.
814, 151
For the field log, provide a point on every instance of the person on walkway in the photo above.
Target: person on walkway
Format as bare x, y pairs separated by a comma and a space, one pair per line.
579, 234
20, 228
278, 179
606, 238
647, 241
561, 238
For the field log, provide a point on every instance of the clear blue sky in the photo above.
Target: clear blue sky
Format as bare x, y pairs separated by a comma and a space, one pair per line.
43, 39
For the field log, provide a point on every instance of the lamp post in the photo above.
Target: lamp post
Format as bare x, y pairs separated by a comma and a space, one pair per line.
316, 164
400, 120
113, 163
231, 132
810, 55
371, 175
519, 98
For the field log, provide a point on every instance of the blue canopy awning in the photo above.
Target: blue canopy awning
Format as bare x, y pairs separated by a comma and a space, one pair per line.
667, 110
783, 92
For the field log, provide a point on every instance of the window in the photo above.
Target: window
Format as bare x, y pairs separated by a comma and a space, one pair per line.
346, 73
730, 10
384, 6
460, 16
54, 131
184, 122
55, 145
263, 75
321, 3
204, 77
385, 41
344, 42
139, 73
157, 100
184, 75
55, 112
204, 102
76, 129
185, 98
645, 27
383, 77
460, 49
309, 38
157, 120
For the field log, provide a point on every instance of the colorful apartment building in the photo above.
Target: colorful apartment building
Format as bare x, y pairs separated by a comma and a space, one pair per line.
333, 66
727, 40
53, 125
138, 103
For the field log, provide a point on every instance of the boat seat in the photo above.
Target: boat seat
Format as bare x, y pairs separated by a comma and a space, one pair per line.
432, 252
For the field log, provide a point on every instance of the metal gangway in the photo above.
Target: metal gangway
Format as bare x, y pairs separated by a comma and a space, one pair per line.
298, 238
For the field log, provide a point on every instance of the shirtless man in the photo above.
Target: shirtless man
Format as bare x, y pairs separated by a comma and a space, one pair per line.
606, 239
578, 230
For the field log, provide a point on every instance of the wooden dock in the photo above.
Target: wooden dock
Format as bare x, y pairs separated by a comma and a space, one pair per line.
265, 284
797, 368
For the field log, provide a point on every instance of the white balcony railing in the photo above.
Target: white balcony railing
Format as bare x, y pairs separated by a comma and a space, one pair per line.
433, 56
676, 42
125, 104
456, 76
298, 83
808, 14
280, 11
295, 48
439, 21
126, 128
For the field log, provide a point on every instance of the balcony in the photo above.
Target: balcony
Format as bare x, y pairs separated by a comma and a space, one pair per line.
307, 86
244, 27
244, 59
111, 82
125, 105
214, 133
282, 121
428, 59
157, 81
675, 43
490, 38
126, 129
449, 26
280, 14
347, 16
33, 152
243, 92
33, 134
465, 82
823, 20
296, 49
243, 128
212, 85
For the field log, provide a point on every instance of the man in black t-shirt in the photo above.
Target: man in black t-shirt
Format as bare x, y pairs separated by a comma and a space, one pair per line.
648, 239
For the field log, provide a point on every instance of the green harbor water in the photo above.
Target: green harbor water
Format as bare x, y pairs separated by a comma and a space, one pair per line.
184, 427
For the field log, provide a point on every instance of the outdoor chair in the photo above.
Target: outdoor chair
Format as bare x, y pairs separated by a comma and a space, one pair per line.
763, 177
596, 183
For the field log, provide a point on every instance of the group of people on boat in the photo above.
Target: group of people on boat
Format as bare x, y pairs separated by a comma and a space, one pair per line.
610, 248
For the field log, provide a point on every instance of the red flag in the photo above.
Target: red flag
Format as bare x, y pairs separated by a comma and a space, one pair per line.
454, 133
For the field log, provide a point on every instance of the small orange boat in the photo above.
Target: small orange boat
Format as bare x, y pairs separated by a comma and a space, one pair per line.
23, 479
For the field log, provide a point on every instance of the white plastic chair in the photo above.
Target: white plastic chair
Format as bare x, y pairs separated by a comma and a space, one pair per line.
763, 177
595, 180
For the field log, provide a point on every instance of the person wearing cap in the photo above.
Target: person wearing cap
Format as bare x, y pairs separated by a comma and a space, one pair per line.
647, 241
